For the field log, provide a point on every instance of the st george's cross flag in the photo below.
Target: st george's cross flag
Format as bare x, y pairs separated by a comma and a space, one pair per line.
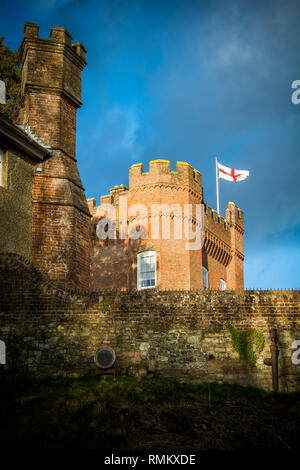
230, 174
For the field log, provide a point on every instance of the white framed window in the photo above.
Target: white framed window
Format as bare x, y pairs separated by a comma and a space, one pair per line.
1, 166
205, 278
222, 284
146, 270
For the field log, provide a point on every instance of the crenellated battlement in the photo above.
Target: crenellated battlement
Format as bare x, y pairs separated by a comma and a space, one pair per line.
57, 36
57, 63
114, 194
111, 198
160, 173
156, 203
235, 216
216, 218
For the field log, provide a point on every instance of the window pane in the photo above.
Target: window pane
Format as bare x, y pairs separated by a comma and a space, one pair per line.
148, 263
146, 270
205, 278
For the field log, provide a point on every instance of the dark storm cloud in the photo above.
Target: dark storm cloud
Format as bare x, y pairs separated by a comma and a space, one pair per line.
224, 88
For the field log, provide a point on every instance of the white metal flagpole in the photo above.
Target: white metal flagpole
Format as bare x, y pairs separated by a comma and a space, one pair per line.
217, 184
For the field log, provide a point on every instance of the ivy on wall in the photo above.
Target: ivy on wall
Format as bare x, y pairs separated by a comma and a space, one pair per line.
247, 343
104, 306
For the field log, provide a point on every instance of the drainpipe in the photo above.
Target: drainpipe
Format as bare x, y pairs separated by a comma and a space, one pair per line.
273, 360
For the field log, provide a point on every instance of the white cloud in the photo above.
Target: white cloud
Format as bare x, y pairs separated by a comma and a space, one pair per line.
233, 52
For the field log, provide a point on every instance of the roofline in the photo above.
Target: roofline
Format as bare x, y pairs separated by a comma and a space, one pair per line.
19, 138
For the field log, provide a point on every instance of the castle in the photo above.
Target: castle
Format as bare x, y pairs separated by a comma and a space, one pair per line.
61, 284
160, 197
63, 244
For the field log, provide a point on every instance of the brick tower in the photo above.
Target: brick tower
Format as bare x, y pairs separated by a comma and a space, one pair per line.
219, 259
51, 89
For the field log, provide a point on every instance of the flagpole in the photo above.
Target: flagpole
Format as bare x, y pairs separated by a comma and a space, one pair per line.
217, 185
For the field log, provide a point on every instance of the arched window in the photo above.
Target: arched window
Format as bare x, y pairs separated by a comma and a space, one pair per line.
146, 270
205, 278
222, 284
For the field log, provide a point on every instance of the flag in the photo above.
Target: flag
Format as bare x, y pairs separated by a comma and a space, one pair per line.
230, 174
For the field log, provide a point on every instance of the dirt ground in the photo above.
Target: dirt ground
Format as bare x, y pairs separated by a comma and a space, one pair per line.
149, 414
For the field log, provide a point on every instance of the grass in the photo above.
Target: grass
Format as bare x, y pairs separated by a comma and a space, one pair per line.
128, 413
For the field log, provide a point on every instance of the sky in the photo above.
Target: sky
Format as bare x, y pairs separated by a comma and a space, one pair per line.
188, 80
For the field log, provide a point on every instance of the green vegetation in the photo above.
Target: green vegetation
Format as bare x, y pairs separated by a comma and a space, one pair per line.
104, 306
129, 413
247, 343
10, 73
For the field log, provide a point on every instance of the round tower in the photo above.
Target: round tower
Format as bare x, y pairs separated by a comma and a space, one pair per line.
160, 208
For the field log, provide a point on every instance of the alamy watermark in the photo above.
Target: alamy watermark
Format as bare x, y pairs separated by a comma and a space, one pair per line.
2, 93
136, 221
2, 352
296, 354
295, 96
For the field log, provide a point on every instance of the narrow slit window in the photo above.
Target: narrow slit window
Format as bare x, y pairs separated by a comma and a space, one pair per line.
222, 284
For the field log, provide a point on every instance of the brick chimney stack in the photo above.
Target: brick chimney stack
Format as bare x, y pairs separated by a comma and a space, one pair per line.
51, 90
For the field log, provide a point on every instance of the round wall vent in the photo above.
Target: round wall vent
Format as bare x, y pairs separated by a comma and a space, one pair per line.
105, 357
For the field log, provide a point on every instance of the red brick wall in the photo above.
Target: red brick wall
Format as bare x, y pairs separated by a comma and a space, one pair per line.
177, 267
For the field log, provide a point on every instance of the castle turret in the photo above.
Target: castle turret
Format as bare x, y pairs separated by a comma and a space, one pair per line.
51, 89
157, 201
159, 173
209, 254
235, 271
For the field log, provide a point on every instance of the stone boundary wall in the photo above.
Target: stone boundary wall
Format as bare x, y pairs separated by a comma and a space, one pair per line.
50, 330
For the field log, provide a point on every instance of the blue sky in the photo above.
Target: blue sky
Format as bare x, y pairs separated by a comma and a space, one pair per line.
188, 80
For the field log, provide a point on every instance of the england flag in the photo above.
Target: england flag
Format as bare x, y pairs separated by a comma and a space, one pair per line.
230, 174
